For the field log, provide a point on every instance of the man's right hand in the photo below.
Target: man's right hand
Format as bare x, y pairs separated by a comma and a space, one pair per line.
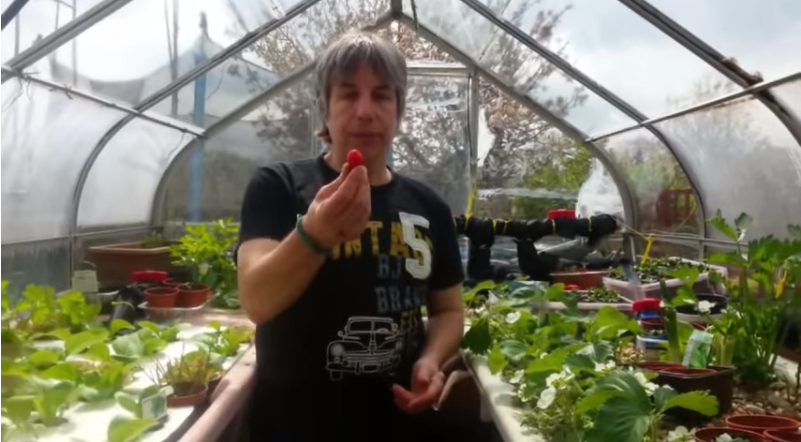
341, 210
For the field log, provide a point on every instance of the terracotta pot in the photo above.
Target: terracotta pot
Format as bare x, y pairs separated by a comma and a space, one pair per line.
193, 295
710, 434
161, 297
759, 423
190, 400
783, 436
688, 371
173, 282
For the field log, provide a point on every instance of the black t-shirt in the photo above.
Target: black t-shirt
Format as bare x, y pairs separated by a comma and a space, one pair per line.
329, 361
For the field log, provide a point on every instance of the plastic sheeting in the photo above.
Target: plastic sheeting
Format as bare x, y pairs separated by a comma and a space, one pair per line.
47, 138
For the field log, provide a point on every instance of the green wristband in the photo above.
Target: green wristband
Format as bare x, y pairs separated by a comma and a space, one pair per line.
308, 241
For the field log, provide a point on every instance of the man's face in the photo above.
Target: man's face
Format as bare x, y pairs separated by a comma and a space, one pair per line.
362, 114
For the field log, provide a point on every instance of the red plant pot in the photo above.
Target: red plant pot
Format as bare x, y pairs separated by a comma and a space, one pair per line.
161, 297
759, 423
783, 436
688, 371
189, 400
712, 433
193, 295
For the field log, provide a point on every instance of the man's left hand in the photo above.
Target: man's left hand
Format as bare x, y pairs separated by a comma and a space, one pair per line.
427, 384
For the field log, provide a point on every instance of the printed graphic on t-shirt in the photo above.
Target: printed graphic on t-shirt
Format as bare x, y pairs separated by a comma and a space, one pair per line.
377, 344
366, 345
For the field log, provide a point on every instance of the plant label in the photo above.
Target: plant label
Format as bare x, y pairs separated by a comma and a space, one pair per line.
155, 407
85, 281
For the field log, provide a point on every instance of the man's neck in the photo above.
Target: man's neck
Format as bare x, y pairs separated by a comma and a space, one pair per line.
377, 171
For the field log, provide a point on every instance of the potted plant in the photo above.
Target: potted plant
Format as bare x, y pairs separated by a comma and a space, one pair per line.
114, 263
192, 294
188, 376
205, 252
161, 297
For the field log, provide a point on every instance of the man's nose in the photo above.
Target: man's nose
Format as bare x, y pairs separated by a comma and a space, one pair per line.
365, 107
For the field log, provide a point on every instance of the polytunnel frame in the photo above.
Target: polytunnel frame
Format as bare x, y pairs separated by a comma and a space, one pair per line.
752, 85
396, 14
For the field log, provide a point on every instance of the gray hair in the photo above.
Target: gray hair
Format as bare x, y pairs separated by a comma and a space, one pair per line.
345, 55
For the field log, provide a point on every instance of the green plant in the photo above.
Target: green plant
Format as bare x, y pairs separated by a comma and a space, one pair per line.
629, 408
225, 341
152, 240
187, 375
764, 264
133, 402
205, 252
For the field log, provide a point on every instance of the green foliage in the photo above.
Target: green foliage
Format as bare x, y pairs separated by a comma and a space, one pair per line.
205, 251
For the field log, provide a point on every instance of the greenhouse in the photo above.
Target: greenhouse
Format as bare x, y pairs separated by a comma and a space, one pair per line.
626, 280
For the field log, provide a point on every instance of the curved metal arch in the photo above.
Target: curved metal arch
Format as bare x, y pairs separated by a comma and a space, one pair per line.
237, 114
214, 61
220, 126
593, 86
717, 60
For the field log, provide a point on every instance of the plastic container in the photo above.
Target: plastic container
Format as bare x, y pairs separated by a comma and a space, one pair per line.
652, 290
759, 423
161, 314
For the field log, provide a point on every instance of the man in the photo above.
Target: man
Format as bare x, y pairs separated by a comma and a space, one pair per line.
335, 265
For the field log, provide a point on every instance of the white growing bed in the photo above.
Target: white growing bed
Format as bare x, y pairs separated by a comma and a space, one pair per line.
88, 422
498, 399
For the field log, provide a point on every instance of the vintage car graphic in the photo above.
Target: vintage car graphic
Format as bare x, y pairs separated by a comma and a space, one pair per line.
366, 345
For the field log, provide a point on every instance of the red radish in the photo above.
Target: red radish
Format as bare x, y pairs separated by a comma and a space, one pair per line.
355, 159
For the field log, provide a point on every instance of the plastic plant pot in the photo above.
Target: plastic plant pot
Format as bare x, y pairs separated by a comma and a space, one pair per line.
783, 436
174, 282
192, 295
719, 381
585, 279
189, 400
711, 434
759, 423
688, 371
657, 365
162, 297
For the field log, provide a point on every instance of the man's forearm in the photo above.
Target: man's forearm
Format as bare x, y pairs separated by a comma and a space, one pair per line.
276, 280
445, 331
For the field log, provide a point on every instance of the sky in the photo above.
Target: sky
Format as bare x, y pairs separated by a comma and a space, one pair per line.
603, 38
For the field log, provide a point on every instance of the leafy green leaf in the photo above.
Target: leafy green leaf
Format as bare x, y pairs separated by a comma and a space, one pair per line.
80, 342
120, 324
129, 430
129, 346
18, 408
44, 358
496, 360
698, 401
512, 349
719, 223
478, 338
621, 420
128, 402
594, 399
580, 362
599, 351
554, 360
